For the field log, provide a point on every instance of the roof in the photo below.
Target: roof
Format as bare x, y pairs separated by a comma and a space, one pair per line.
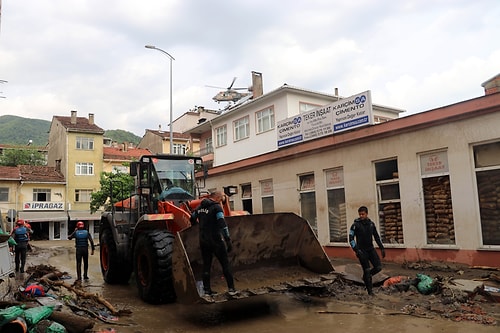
82, 125
40, 173
117, 153
166, 134
9, 173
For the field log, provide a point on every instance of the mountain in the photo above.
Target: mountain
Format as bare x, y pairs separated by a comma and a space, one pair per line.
16, 130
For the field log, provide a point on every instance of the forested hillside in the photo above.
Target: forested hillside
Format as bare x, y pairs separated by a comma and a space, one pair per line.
16, 130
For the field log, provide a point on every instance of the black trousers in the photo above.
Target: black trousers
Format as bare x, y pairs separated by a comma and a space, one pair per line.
82, 254
20, 256
369, 256
208, 251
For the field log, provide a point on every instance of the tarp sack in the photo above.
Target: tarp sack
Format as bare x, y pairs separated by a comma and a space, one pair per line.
12, 241
55, 328
9, 314
34, 315
425, 284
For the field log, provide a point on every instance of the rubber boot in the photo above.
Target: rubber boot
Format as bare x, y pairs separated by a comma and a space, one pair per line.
367, 278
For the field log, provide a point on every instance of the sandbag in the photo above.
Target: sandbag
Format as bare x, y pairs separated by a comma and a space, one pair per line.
55, 328
34, 315
9, 314
12, 241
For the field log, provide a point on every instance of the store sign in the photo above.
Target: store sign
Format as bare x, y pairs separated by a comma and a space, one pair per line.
434, 163
43, 205
335, 178
343, 115
352, 112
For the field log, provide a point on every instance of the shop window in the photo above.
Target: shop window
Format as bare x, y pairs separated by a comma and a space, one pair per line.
308, 200
267, 195
487, 167
246, 197
436, 188
337, 219
389, 202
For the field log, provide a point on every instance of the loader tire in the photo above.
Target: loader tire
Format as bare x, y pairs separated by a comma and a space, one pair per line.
153, 267
114, 270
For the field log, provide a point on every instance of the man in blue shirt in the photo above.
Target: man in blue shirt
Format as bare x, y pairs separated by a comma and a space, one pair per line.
82, 239
21, 235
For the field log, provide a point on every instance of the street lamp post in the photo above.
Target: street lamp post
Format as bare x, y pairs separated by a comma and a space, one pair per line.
171, 118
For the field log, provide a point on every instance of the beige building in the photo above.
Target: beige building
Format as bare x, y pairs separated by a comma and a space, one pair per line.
76, 147
117, 157
35, 194
431, 180
10, 179
158, 142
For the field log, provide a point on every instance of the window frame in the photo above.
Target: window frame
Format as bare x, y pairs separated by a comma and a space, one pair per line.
241, 128
221, 136
89, 166
265, 120
84, 143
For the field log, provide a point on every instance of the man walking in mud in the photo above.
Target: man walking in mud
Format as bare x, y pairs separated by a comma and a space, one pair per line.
213, 228
361, 241
82, 239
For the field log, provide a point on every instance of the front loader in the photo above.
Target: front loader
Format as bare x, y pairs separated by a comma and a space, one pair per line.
150, 236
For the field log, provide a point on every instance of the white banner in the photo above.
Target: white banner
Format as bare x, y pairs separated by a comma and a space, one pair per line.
345, 114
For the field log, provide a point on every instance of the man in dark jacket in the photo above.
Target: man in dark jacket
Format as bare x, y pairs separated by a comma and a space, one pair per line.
21, 235
82, 239
213, 229
361, 241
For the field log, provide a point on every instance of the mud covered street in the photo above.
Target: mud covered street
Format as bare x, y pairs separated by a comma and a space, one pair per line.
341, 305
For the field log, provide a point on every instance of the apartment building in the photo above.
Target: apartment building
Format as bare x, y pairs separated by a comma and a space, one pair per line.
76, 148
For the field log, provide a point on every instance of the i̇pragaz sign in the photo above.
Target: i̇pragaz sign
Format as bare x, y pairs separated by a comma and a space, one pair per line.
43, 205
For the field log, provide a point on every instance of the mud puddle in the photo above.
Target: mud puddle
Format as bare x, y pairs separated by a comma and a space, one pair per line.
287, 312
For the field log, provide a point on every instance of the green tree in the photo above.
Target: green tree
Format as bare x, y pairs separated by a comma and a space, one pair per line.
120, 183
15, 157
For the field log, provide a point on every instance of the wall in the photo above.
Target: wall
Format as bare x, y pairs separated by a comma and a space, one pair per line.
360, 189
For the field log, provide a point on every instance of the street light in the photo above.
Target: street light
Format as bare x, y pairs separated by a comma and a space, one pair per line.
171, 118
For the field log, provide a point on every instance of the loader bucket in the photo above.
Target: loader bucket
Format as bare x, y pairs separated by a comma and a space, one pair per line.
271, 253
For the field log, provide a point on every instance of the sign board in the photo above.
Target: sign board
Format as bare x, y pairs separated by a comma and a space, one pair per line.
434, 163
345, 114
352, 112
43, 205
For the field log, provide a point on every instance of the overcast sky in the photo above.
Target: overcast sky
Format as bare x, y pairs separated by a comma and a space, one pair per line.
89, 55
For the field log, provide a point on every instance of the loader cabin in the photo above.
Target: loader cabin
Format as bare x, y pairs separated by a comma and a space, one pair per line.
169, 177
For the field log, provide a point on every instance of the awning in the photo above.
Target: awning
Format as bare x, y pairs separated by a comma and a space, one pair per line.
84, 215
43, 216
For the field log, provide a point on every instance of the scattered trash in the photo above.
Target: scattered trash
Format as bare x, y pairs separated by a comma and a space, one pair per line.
426, 284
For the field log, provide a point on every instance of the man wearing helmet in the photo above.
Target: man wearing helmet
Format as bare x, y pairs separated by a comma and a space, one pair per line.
21, 235
82, 239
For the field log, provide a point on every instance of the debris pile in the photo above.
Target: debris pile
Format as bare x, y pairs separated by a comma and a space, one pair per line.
440, 294
45, 302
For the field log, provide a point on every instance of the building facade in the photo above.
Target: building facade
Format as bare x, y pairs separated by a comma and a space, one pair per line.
431, 182
76, 148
